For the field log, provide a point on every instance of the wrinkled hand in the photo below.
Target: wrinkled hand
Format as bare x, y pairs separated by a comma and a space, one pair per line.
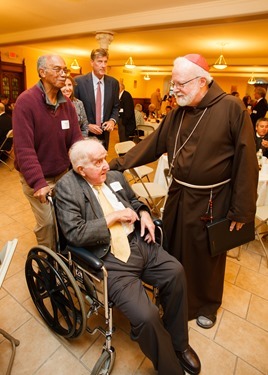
127, 215
236, 225
147, 223
95, 129
41, 194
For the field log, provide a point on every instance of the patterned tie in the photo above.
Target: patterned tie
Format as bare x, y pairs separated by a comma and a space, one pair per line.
98, 104
119, 241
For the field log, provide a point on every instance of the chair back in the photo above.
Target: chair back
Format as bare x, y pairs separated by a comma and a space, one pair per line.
7, 140
122, 148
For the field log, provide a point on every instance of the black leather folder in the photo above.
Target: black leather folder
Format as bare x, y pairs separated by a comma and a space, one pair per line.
221, 239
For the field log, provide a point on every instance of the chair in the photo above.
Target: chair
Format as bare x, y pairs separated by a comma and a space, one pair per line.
150, 191
8, 139
122, 148
147, 129
262, 216
6, 255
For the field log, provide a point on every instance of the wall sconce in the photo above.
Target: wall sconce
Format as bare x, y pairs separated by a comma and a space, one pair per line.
147, 77
252, 80
75, 65
130, 63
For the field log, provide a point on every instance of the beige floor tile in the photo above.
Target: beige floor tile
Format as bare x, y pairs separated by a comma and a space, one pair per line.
235, 299
258, 312
231, 270
244, 339
62, 362
36, 346
12, 314
215, 359
26, 218
253, 282
146, 368
16, 285
8, 232
248, 258
128, 354
244, 368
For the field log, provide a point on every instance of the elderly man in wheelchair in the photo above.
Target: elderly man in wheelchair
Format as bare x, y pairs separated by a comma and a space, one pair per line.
108, 228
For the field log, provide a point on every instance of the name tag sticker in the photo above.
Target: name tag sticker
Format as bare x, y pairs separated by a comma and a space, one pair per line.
65, 124
116, 186
254, 111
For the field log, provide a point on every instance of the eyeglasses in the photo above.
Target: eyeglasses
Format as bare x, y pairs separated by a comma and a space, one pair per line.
59, 70
179, 85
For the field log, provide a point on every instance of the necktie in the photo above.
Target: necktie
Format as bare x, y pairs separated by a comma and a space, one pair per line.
119, 241
98, 104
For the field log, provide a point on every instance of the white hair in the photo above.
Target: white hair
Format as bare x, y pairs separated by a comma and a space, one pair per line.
184, 64
82, 151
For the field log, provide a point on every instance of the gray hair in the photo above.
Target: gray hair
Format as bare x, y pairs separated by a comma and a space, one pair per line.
81, 152
138, 107
185, 64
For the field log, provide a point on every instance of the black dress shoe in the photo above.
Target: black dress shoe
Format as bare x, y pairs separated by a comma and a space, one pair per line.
206, 321
189, 361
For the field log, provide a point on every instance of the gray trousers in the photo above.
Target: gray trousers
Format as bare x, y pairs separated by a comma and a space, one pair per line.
158, 338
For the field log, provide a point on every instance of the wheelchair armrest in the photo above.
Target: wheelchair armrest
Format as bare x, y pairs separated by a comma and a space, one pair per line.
158, 223
86, 256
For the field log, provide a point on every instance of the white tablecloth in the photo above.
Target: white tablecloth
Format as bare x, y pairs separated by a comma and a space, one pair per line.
159, 177
263, 188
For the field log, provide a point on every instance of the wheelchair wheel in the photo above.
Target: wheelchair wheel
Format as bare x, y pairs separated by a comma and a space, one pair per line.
55, 292
105, 363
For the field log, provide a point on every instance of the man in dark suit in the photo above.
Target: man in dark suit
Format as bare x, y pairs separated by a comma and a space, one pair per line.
260, 108
5, 126
83, 222
127, 121
86, 90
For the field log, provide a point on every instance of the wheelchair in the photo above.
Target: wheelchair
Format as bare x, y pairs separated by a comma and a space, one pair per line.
71, 285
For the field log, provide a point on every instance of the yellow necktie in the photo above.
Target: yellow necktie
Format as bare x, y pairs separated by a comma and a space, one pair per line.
119, 241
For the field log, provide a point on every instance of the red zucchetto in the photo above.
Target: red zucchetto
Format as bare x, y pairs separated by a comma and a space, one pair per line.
198, 60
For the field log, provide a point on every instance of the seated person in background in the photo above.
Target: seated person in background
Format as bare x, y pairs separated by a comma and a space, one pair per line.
5, 126
168, 109
87, 222
261, 135
151, 112
68, 90
139, 115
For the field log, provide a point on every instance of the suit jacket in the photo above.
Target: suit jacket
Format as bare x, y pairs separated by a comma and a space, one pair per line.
128, 114
80, 215
259, 111
5, 126
85, 92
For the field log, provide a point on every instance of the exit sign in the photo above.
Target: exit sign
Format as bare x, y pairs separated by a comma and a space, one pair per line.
12, 55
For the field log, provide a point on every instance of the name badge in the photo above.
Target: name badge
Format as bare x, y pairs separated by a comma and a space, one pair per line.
65, 124
116, 186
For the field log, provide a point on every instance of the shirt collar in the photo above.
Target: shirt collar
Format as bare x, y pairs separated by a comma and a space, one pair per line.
60, 97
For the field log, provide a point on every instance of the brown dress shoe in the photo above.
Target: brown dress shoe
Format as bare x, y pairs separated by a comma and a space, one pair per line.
189, 361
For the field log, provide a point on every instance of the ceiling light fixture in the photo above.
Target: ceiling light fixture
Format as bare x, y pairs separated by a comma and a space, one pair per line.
252, 80
75, 65
130, 64
220, 62
147, 77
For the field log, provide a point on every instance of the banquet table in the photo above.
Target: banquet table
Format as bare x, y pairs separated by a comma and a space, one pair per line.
262, 185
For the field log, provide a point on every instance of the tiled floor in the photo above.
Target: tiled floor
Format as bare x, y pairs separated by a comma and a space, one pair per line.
237, 344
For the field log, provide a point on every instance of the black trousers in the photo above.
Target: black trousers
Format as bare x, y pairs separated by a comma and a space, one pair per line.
158, 338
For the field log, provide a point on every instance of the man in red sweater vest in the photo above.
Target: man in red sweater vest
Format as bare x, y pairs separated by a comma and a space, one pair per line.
45, 126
